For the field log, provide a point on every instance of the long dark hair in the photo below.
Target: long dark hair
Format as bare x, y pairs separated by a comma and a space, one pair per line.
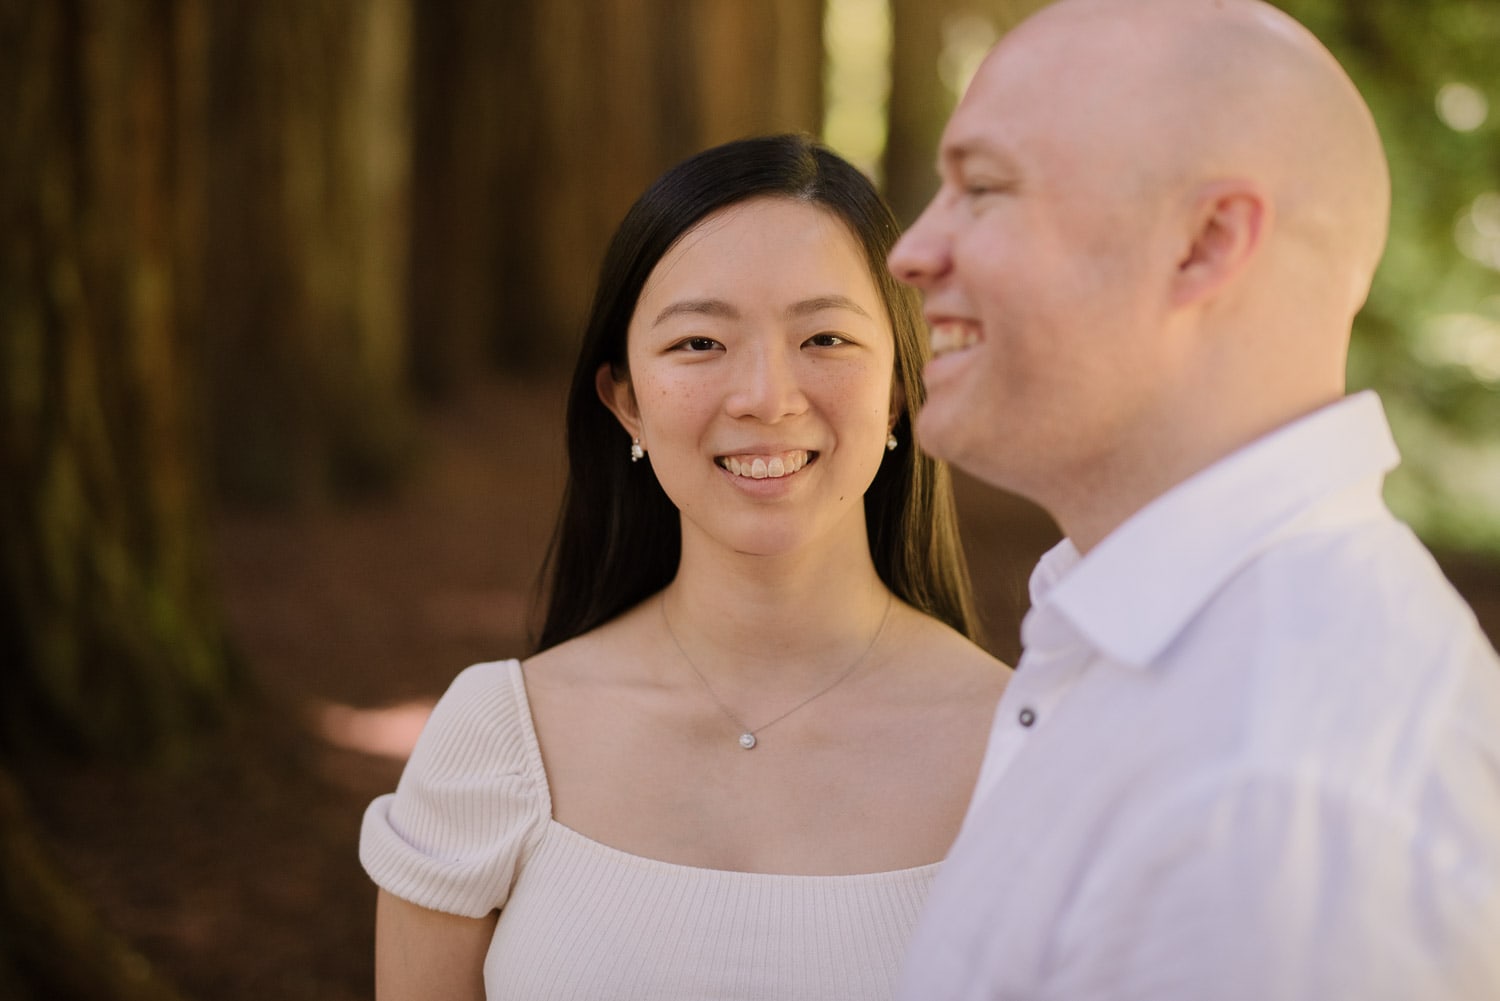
618, 538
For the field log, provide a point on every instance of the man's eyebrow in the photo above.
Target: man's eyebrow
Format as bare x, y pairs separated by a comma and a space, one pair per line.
697, 307
955, 154
952, 156
822, 302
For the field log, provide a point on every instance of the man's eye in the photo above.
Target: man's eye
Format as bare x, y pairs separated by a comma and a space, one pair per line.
699, 344
980, 188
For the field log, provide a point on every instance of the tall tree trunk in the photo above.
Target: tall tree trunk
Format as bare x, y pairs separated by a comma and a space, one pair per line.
539, 123
474, 145
301, 152
110, 640
934, 44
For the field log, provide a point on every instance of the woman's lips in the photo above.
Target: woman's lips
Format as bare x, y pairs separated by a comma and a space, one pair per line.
765, 465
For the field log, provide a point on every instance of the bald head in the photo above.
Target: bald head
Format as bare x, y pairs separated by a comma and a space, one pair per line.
1157, 221
1215, 89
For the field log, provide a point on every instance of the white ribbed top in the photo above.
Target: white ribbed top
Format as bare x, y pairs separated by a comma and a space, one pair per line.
469, 830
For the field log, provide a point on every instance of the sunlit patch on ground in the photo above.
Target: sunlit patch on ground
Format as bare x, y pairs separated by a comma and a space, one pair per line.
390, 732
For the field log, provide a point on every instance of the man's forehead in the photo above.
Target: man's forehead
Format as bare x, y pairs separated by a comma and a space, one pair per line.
983, 126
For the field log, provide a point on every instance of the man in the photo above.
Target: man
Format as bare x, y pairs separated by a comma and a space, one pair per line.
1252, 749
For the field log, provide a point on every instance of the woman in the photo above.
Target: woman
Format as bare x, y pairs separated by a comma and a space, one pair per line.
756, 714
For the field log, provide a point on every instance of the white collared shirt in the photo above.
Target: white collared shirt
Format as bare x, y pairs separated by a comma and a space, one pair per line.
1252, 750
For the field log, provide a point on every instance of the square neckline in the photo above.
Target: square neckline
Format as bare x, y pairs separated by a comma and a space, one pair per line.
515, 674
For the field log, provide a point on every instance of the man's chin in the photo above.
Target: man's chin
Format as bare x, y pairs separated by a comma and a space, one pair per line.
948, 435
940, 430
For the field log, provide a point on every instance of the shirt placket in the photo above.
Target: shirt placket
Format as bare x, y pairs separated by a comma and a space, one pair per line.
1048, 671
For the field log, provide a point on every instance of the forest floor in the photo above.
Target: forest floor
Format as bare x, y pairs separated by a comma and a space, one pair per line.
238, 878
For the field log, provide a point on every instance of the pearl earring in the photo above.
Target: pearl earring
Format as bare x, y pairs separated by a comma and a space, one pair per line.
890, 441
636, 452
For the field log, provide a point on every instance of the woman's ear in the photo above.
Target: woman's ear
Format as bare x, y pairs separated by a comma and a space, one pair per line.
1229, 224
617, 393
898, 403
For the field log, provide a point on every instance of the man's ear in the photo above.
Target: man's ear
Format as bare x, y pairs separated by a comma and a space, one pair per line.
617, 393
1228, 225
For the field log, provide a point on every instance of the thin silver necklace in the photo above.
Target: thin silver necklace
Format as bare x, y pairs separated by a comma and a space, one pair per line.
747, 738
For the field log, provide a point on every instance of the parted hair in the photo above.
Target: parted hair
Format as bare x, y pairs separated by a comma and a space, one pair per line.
618, 537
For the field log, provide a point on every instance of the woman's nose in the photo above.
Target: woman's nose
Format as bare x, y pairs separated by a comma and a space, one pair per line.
766, 384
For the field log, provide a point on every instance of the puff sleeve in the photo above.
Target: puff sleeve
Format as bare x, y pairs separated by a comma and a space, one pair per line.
470, 805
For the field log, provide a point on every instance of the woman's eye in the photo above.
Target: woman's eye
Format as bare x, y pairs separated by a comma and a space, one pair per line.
825, 340
699, 344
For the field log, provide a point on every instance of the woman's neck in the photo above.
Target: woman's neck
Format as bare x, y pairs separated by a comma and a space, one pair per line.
758, 620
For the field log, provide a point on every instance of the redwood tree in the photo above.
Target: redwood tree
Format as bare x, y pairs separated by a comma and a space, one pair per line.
112, 645
537, 124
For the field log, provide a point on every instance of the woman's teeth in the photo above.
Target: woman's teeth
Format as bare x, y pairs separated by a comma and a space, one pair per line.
949, 337
765, 467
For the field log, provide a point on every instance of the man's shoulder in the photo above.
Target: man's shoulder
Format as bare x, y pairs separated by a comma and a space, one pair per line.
1353, 653
1356, 596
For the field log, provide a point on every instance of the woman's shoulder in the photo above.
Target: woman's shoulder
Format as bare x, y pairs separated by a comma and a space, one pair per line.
471, 801
482, 723
490, 681
950, 660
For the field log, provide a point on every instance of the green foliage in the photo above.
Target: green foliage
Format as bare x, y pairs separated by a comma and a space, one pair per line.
1429, 338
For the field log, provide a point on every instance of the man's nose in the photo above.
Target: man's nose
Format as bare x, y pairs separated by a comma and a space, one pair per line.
922, 254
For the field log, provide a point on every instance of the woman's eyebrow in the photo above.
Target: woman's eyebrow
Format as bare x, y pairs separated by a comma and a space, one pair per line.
721, 309
819, 303
697, 307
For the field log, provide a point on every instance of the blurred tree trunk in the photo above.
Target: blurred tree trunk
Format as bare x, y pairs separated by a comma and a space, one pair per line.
473, 137
111, 645
935, 44
919, 105
299, 148
537, 125
110, 640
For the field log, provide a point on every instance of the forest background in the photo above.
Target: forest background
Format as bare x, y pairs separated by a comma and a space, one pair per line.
287, 290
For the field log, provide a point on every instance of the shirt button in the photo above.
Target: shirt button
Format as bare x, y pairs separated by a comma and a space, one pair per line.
1027, 717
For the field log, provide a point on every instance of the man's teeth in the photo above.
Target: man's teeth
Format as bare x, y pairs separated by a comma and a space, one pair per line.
950, 337
764, 467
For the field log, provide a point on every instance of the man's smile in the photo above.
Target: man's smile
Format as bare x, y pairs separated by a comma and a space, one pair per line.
949, 336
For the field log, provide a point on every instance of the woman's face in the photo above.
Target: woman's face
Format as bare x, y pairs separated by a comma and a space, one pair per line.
760, 383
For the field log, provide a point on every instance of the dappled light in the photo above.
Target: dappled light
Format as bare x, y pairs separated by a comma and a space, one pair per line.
388, 732
857, 80
1462, 107
1478, 231
1467, 340
967, 36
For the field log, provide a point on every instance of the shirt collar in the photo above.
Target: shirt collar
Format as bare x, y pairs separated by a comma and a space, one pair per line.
1132, 594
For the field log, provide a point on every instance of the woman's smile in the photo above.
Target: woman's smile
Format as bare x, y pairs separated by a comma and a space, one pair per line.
762, 466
